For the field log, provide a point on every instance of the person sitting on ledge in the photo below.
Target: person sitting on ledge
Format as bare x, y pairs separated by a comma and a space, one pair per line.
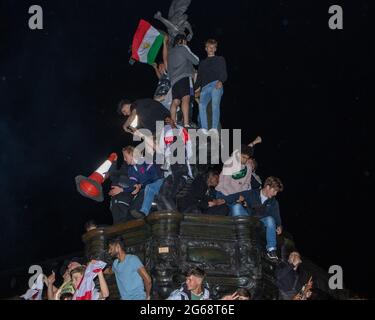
121, 198
263, 204
147, 177
193, 288
202, 198
232, 184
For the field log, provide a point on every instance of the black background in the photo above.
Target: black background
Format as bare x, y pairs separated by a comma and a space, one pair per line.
304, 88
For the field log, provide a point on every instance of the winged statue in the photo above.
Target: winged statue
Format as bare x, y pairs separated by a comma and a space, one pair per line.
177, 22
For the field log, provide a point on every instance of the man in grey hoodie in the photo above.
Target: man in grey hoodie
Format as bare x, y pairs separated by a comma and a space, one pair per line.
181, 72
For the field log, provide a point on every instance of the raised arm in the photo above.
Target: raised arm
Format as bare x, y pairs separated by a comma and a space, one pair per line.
255, 142
156, 69
51, 289
165, 51
104, 291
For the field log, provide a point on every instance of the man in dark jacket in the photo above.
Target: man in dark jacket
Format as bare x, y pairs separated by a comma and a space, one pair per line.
120, 193
291, 276
202, 198
263, 204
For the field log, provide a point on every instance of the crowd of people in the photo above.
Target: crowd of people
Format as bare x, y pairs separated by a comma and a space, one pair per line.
138, 187
135, 283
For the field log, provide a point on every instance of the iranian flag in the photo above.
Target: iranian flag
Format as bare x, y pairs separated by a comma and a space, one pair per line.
147, 42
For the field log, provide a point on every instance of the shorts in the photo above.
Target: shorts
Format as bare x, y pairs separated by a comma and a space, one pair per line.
182, 88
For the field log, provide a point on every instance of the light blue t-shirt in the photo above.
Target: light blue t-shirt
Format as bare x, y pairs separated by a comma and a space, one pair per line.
129, 282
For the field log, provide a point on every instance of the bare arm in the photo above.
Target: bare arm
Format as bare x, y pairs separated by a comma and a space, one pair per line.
156, 69
165, 51
51, 289
129, 121
104, 291
51, 293
146, 280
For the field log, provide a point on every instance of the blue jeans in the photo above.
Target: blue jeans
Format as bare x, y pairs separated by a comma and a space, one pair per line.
151, 191
209, 92
270, 225
237, 210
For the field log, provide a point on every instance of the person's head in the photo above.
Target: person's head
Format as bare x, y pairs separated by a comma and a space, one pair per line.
213, 178
272, 186
168, 120
116, 246
66, 275
90, 225
128, 153
246, 153
74, 263
66, 296
180, 39
124, 107
211, 47
77, 274
194, 279
243, 294
294, 258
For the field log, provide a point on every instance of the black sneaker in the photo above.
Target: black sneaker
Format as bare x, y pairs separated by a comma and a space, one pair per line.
272, 255
137, 214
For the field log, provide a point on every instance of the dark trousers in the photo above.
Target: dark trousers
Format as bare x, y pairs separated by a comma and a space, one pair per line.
120, 206
221, 210
171, 187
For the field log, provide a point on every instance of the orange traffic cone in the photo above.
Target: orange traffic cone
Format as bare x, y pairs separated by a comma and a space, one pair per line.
91, 187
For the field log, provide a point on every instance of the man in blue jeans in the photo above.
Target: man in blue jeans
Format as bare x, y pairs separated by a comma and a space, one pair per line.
144, 176
263, 204
212, 73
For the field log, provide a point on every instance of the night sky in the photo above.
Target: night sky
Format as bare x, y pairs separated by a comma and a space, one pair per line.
301, 86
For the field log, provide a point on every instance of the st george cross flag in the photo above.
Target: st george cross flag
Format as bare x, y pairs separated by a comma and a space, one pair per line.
86, 288
167, 138
147, 42
36, 291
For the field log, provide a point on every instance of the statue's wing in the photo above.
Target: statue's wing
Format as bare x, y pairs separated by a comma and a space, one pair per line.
178, 8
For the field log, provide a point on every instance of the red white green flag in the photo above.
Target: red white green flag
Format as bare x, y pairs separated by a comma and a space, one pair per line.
147, 42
